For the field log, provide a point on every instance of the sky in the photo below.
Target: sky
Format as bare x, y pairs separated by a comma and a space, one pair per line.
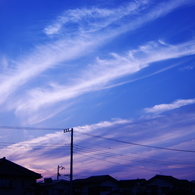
120, 73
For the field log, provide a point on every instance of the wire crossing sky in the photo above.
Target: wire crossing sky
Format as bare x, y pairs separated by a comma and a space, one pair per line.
121, 73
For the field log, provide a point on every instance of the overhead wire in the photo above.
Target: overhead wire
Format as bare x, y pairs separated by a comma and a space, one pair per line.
104, 154
85, 150
31, 128
118, 163
99, 153
136, 144
126, 157
98, 136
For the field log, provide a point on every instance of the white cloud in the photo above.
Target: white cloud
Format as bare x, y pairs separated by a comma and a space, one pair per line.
48, 56
189, 67
166, 107
95, 77
98, 76
3, 62
55, 139
103, 124
94, 19
90, 20
43, 58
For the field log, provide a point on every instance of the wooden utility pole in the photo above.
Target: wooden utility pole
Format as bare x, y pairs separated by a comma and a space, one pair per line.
71, 157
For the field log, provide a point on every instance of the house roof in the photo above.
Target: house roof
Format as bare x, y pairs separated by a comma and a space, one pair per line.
169, 179
172, 180
8, 168
100, 178
94, 179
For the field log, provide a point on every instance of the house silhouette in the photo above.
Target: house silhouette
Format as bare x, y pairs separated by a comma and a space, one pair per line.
15, 179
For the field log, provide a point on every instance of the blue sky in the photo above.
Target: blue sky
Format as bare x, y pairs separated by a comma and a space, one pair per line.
119, 70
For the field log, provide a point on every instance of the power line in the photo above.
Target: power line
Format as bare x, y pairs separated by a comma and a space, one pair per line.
118, 163
97, 136
125, 156
30, 128
84, 150
136, 144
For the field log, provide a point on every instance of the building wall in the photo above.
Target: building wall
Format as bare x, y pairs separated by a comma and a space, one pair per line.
16, 186
102, 188
158, 187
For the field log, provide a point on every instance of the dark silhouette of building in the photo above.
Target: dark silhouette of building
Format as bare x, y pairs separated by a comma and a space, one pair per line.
95, 185
168, 185
132, 186
53, 187
16, 180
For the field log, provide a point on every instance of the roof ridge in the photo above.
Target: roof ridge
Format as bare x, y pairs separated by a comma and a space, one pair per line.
19, 168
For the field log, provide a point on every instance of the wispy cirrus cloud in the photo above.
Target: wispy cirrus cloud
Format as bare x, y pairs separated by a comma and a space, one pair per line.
67, 47
166, 107
99, 75
17, 73
88, 20
43, 58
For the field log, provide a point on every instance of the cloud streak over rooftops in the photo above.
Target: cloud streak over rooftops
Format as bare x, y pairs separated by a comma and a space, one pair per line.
95, 152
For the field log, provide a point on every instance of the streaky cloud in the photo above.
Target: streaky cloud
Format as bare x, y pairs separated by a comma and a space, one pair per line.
67, 48
41, 59
50, 55
37, 152
99, 75
93, 19
42, 148
166, 107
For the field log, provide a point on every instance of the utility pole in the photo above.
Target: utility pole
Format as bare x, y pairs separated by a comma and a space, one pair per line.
71, 157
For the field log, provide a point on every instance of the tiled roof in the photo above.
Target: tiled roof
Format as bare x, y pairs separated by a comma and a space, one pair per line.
9, 168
